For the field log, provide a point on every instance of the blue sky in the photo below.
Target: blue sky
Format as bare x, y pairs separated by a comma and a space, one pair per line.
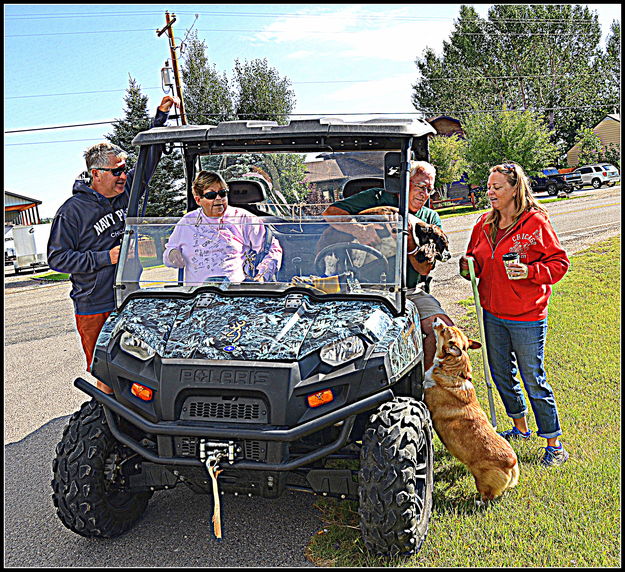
66, 64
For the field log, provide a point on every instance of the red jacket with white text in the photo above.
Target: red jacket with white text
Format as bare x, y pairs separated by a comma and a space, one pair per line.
538, 246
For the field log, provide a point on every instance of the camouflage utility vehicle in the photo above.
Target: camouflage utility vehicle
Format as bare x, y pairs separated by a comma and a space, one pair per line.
277, 383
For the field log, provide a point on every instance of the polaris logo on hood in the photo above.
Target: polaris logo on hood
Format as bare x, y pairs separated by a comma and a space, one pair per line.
224, 376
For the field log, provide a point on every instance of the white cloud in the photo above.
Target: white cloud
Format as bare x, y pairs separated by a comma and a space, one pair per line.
357, 32
302, 55
383, 95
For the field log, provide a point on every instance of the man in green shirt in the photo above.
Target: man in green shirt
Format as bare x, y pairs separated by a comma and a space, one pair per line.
422, 177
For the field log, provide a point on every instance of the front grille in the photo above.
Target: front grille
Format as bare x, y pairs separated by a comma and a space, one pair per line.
221, 408
247, 411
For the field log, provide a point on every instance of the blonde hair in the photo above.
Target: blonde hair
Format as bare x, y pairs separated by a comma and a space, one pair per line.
523, 198
204, 179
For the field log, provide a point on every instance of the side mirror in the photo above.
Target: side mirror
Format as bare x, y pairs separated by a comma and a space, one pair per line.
392, 172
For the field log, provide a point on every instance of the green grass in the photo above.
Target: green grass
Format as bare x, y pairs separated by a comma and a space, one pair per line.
448, 212
567, 516
51, 276
59, 276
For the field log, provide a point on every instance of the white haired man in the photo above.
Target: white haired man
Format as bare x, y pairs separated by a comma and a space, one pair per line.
422, 177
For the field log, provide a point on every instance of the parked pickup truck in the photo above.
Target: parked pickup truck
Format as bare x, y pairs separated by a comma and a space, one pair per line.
574, 179
550, 181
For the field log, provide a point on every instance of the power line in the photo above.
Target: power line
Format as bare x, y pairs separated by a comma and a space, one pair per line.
60, 126
294, 115
474, 77
77, 33
279, 32
286, 15
74, 93
319, 82
46, 142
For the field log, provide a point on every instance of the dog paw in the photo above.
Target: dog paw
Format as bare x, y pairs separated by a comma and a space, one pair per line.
481, 503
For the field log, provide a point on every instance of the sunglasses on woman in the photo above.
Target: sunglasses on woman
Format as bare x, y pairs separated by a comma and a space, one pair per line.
211, 195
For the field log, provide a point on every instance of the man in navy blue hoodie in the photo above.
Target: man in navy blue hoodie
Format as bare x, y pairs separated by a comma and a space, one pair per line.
87, 229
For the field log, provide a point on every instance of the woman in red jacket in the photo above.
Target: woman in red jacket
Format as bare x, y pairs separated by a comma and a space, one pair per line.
514, 300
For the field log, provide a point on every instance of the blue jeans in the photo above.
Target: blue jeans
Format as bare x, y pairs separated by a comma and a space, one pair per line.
511, 345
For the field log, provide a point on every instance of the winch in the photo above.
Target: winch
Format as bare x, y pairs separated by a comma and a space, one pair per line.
211, 454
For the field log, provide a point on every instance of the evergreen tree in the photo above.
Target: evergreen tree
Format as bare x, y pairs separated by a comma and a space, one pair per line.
540, 57
167, 183
136, 119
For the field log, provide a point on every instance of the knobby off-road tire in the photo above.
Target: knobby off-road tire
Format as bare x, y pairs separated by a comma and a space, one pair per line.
396, 477
87, 489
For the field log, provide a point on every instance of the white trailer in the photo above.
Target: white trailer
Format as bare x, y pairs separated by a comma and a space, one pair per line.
9, 245
31, 245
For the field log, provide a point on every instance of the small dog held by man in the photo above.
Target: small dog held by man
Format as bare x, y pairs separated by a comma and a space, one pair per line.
458, 419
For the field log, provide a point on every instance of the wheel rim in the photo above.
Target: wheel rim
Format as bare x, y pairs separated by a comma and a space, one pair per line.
116, 495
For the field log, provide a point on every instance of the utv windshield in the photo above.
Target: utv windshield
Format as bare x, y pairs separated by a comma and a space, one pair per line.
240, 252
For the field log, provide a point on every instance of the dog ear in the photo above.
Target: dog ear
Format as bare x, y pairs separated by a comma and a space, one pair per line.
473, 345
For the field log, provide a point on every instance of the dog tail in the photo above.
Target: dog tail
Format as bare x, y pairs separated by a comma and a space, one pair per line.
514, 478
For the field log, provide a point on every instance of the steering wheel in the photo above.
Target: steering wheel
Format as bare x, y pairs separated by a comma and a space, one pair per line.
341, 251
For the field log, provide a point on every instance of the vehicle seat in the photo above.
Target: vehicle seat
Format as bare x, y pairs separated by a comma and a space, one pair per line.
357, 184
246, 194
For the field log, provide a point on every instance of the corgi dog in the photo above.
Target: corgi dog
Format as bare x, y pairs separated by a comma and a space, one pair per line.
458, 419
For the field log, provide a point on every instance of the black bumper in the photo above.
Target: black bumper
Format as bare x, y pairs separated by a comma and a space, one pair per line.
347, 414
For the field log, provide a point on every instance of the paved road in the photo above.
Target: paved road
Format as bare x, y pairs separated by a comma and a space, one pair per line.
42, 358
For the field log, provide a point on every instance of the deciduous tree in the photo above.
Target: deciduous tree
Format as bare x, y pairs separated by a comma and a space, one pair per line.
447, 154
207, 95
518, 136
261, 93
590, 146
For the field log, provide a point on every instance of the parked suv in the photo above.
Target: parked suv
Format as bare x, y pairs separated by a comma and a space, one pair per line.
597, 175
550, 181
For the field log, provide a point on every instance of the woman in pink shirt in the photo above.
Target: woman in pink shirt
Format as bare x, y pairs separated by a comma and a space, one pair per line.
218, 240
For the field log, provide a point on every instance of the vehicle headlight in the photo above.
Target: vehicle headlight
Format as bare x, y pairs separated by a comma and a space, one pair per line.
136, 347
344, 350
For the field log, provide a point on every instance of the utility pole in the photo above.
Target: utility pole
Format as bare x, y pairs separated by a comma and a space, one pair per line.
169, 28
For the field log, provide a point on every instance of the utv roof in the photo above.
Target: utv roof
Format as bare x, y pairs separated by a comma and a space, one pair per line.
379, 133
